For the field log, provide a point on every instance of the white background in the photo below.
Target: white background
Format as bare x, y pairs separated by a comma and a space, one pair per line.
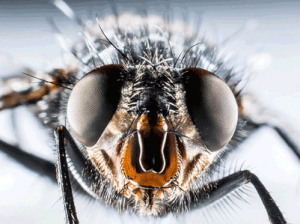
271, 40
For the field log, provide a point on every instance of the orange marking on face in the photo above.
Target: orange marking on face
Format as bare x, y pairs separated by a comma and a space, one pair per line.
149, 131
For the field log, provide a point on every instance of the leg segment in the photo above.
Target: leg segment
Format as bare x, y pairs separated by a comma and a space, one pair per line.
64, 178
290, 137
257, 114
18, 98
30, 161
84, 172
230, 183
31, 93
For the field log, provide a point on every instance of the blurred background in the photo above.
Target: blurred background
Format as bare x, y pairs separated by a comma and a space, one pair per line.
261, 35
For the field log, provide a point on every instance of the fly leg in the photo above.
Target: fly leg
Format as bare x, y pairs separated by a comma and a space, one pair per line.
24, 89
30, 161
63, 178
19, 90
258, 115
231, 183
289, 136
85, 174
83, 170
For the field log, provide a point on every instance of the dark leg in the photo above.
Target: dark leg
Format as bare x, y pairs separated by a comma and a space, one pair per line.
290, 138
230, 183
255, 113
64, 178
86, 177
30, 161
84, 172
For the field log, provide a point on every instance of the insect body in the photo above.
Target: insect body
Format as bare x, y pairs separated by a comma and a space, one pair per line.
144, 125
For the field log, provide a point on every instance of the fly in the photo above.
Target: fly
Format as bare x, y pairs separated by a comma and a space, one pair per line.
142, 125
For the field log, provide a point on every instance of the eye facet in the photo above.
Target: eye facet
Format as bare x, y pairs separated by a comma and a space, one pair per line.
93, 101
212, 107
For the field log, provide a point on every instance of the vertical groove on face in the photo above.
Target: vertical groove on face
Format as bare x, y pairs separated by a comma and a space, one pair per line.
151, 155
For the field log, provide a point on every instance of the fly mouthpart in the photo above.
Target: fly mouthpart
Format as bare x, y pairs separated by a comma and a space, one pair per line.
150, 156
168, 185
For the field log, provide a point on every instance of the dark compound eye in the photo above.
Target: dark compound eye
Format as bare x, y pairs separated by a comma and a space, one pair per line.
212, 107
93, 101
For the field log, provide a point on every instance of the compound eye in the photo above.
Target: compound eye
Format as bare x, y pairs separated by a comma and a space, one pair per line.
93, 101
212, 107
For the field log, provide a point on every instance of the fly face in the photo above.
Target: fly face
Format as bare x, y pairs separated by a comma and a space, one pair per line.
152, 130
